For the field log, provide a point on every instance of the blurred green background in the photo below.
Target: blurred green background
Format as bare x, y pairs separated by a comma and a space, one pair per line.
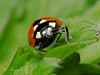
16, 16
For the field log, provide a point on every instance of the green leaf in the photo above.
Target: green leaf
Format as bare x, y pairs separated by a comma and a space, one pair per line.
30, 61
64, 51
71, 66
46, 67
91, 53
83, 31
23, 56
68, 64
82, 69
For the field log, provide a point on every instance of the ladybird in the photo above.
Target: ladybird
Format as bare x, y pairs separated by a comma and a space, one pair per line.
43, 32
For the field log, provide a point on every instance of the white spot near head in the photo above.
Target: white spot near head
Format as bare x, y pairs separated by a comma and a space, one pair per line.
53, 24
38, 35
49, 29
43, 32
42, 21
35, 27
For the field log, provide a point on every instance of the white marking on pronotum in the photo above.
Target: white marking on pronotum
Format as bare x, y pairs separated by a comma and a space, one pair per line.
35, 27
38, 35
42, 21
53, 24
43, 32
49, 29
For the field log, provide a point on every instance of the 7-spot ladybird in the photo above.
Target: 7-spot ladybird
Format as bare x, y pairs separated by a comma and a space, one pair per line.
43, 31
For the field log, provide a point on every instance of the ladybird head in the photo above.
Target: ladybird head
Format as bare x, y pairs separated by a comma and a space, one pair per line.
48, 32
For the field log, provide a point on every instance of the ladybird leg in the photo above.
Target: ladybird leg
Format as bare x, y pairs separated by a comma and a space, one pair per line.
66, 37
40, 47
92, 27
58, 39
66, 33
86, 42
61, 30
65, 27
37, 47
98, 32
